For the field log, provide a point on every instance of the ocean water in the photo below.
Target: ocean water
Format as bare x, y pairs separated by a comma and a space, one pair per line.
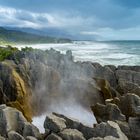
106, 53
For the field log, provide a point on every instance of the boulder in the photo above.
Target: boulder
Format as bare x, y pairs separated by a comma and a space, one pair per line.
127, 87
70, 123
86, 131
129, 76
71, 134
106, 138
107, 112
130, 105
134, 124
104, 87
30, 138
2, 138
124, 128
136, 91
74, 124
10, 119
97, 138
108, 131
53, 137
12, 135
105, 73
2, 106
132, 68
30, 130
54, 123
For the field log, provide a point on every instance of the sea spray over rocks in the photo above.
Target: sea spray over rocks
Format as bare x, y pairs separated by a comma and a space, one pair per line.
64, 86
75, 111
58, 78
55, 81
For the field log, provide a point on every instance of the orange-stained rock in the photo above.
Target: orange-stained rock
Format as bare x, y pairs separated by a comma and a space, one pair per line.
14, 89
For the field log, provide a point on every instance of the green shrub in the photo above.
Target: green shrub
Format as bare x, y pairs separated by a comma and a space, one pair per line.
27, 49
7, 51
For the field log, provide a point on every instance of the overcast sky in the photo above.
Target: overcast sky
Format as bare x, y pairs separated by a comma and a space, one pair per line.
105, 19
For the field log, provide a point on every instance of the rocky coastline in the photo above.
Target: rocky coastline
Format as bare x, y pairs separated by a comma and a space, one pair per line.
30, 80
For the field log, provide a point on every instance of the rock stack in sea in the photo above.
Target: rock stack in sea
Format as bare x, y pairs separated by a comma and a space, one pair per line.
30, 80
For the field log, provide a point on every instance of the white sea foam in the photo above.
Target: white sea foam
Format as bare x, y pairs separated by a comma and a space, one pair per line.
104, 53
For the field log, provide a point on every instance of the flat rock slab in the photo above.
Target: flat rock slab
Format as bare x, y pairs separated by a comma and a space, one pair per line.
54, 123
71, 134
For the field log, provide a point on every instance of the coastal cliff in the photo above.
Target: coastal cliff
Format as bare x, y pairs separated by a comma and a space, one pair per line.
33, 81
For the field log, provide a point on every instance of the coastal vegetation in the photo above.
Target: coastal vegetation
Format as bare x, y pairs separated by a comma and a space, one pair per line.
5, 52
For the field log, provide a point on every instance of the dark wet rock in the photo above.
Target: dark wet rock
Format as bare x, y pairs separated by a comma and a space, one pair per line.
134, 124
107, 112
12, 135
106, 90
115, 93
47, 132
136, 91
53, 137
69, 122
124, 128
30, 130
54, 123
71, 134
104, 87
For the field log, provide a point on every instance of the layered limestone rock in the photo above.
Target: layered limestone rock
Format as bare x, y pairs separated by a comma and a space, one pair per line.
14, 126
54, 123
74, 130
129, 104
128, 81
71, 134
33, 80
13, 90
107, 112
